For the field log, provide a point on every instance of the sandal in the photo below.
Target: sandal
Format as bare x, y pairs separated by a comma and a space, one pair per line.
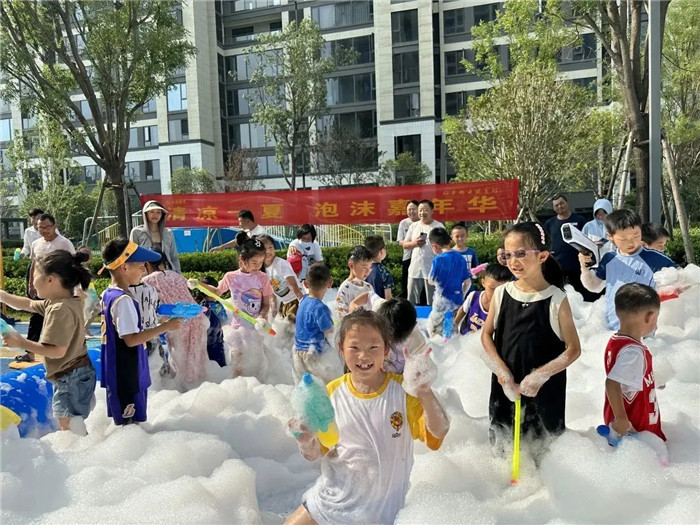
24, 358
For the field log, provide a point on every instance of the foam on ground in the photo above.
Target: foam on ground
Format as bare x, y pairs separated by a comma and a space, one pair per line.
219, 453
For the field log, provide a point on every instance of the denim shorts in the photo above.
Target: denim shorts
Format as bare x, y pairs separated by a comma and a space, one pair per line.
73, 393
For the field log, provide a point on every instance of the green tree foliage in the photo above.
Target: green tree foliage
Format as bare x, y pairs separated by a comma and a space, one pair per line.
192, 180
681, 96
119, 55
530, 125
404, 170
69, 204
290, 75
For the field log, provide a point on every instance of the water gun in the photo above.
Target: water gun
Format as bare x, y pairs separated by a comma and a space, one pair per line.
648, 438
5, 327
165, 369
18, 254
516, 443
448, 325
310, 401
234, 309
478, 269
574, 237
181, 310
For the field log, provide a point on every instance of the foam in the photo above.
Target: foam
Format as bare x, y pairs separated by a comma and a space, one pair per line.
219, 453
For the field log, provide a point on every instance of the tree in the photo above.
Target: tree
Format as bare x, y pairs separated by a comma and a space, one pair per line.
119, 55
290, 77
69, 204
241, 171
530, 125
620, 29
192, 180
404, 170
345, 157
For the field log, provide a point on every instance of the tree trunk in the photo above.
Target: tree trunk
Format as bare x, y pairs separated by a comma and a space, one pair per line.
625, 173
680, 207
116, 180
641, 169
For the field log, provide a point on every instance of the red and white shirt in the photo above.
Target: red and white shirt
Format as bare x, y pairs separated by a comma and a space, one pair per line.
629, 362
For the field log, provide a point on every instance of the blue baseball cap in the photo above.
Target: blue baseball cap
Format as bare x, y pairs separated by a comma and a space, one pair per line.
131, 254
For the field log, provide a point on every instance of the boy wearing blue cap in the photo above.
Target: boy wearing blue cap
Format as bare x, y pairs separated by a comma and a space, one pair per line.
125, 372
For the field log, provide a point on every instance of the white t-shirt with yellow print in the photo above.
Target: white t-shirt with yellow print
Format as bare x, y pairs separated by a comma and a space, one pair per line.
365, 477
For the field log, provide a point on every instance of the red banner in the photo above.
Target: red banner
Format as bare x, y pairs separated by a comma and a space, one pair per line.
464, 201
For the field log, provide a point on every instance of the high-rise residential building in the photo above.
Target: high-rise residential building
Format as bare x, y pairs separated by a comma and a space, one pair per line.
407, 76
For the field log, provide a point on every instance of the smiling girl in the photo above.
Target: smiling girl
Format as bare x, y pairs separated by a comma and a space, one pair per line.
529, 338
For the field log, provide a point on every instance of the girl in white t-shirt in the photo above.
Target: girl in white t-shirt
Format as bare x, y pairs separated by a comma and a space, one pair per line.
364, 477
283, 280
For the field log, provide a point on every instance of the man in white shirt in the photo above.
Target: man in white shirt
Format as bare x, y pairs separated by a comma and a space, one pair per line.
246, 220
31, 234
421, 253
49, 241
411, 217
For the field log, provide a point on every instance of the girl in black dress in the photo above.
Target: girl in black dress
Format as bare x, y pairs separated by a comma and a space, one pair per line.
529, 338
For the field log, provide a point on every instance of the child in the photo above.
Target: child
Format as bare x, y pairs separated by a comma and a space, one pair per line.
217, 316
529, 339
62, 342
447, 274
305, 247
283, 280
459, 235
251, 292
125, 372
402, 318
595, 229
365, 477
314, 325
379, 277
655, 236
188, 345
630, 398
631, 263
476, 305
360, 264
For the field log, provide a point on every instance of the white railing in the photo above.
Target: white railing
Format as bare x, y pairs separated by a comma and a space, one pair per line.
337, 234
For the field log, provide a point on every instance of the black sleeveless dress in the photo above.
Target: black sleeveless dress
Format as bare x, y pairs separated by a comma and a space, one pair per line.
525, 339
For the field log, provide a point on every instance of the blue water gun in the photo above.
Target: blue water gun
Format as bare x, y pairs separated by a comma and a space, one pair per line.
182, 310
310, 401
5, 327
448, 325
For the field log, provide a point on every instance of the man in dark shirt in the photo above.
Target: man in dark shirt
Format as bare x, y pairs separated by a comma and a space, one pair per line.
566, 255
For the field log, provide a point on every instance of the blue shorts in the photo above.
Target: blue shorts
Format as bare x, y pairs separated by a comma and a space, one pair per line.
73, 393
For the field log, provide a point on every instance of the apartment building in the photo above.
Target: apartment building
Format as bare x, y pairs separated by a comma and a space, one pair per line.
406, 78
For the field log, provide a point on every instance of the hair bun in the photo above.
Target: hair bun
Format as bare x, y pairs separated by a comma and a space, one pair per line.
81, 256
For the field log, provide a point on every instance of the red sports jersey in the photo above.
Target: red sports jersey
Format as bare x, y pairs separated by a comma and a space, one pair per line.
641, 407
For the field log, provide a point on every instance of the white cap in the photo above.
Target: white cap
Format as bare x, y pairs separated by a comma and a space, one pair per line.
153, 205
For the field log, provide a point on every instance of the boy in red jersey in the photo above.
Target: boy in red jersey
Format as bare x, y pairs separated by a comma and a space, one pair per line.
630, 398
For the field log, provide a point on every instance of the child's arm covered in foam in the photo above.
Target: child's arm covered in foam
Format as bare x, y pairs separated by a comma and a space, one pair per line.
493, 360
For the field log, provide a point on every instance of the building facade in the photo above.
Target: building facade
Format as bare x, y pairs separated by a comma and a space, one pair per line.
406, 78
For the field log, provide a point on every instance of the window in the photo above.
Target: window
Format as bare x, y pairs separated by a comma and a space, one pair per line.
363, 123
244, 5
363, 47
455, 102
85, 109
485, 13
275, 27
178, 130
408, 144
350, 89
91, 174
28, 121
5, 106
587, 49
406, 67
242, 34
455, 22
268, 167
5, 129
149, 107
151, 169
134, 138
407, 105
342, 14
177, 97
404, 26
179, 161
251, 135
453, 63
150, 136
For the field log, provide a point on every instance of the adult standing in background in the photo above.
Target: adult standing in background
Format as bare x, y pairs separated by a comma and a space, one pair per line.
153, 234
411, 217
31, 234
565, 254
422, 253
246, 220
49, 241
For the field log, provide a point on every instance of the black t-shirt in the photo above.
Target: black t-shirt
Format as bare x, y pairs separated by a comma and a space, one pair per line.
565, 254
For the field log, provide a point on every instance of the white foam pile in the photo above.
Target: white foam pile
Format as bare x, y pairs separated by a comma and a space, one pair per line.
219, 453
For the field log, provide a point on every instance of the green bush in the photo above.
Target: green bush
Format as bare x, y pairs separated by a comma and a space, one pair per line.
675, 250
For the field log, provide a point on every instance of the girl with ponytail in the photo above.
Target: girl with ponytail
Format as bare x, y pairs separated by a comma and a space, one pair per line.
62, 341
529, 339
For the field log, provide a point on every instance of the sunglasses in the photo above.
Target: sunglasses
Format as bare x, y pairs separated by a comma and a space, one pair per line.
517, 254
